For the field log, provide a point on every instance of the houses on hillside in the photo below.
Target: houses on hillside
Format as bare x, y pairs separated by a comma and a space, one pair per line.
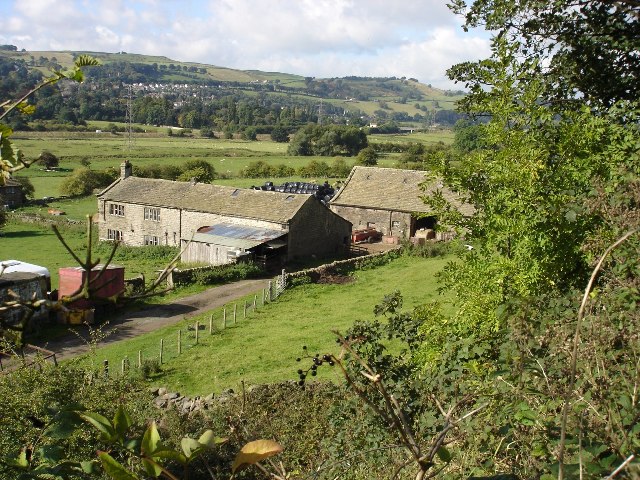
217, 224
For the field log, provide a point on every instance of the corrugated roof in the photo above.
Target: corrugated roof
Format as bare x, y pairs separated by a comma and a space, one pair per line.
391, 189
204, 197
236, 235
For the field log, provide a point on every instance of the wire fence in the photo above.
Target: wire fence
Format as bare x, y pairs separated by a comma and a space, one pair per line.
171, 346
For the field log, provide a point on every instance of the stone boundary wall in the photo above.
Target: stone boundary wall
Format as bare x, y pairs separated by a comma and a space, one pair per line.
313, 274
34, 218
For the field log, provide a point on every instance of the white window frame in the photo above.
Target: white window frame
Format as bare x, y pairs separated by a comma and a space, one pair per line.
151, 240
152, 213
114, 235
116, 209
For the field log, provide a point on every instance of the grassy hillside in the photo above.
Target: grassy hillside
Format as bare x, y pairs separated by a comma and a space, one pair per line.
263, 347
374, 89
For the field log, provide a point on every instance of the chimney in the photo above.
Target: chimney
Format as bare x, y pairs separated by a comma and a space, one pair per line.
125, 169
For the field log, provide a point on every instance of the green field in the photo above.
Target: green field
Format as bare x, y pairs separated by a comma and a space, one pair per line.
228, 157
263, 347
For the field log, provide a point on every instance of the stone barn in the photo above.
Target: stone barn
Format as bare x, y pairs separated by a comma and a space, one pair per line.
389, 200
219, 224
11, 193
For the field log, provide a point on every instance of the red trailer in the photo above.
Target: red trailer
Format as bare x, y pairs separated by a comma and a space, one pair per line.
110, 283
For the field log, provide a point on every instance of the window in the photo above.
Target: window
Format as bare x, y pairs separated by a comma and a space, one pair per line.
151, 240
116, 209
152, 214
115, 235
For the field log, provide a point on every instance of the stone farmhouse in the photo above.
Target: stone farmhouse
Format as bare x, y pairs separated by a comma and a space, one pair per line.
217, 224
11, 193
389, 200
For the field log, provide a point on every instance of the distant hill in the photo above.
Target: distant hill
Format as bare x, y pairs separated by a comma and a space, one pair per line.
380, 100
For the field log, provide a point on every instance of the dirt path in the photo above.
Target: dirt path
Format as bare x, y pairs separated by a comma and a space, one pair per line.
133, 324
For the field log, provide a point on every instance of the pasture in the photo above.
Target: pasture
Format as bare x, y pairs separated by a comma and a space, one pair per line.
228, 157
263, 347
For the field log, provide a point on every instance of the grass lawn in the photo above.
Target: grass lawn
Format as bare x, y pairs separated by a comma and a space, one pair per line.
228, 157
263, 347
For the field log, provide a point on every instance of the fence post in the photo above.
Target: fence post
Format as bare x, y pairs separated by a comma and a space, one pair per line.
161, 349
210, 324
224, 317
106, 368
244, 312
123, 366
255, 301
270, 291
197, 330
263, 296
139, 358
235, 308
179, 341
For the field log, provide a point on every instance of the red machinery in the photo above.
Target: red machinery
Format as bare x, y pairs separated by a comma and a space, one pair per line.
109, 284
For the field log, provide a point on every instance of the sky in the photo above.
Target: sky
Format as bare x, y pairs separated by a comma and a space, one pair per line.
315, 38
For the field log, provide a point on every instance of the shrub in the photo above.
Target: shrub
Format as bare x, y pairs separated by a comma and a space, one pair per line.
83, 181
257, 169
279, 134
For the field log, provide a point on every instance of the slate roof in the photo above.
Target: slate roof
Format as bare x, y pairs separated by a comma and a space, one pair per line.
391, 189
204, 197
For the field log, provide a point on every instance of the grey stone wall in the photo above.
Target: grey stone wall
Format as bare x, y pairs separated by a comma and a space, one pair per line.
316, 230
388, 222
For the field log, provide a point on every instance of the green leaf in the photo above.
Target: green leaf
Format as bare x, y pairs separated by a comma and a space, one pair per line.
444, 454
255, 451
170, 454
570, 216
151, 440
122, 422
90, 467
107, 432
86, 61
190, 446
19, 462
152, 468
63, 425
114, 469
51, 453
209, 439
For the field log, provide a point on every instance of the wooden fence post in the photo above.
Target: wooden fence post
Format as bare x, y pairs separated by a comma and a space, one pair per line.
235, 309
123, 366
224, 317
244, 312
197, 330
270, 291
161, 349
210, 324
106, 368
255, 301
139, 358
179, 341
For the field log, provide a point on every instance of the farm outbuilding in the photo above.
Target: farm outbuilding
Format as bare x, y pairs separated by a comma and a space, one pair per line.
11, 193
390, 201
219, 224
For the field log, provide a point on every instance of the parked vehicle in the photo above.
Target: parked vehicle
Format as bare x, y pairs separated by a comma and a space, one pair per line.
368, 235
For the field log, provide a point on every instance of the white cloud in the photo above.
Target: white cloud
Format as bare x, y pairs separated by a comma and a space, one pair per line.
321, 38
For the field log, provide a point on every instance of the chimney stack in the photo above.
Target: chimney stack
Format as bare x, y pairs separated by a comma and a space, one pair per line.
125, 169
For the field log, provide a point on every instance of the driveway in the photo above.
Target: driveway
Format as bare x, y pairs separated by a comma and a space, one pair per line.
133, 324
